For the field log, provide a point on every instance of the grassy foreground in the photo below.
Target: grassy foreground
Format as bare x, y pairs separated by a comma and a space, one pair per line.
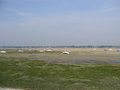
39, 75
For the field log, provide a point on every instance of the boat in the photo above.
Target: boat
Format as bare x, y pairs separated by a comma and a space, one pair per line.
42, 51
118, 50
2, 51
49, 50
66, 52
20, 51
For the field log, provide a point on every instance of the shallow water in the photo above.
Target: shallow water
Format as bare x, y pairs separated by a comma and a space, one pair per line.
72, 61
115, 61
83, 61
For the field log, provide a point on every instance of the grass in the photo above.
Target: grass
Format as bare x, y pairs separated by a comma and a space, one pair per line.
33, 52
39, 75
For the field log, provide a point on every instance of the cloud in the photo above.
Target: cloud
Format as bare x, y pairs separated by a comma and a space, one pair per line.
110, 8
95, 22
110, 5
24, 14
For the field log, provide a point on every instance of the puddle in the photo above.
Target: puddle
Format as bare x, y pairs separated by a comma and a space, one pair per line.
74, 61
83, 61
114, 61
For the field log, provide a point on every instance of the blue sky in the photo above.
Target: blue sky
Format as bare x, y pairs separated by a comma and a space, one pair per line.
59, 22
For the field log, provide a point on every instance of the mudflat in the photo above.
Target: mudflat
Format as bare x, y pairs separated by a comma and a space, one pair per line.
75, 54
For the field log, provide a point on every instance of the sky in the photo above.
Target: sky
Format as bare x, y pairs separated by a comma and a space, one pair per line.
59, 22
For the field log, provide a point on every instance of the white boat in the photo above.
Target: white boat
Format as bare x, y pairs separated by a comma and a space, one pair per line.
42, 51
66, 52
2, 51
49, 50
20, 51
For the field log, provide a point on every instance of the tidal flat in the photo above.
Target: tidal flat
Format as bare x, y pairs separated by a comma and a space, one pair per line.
76, 54
32, 71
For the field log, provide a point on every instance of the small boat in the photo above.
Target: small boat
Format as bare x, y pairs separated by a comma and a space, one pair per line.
42, 51
20, 51
118, 50
66, 52
2, 51
49, 50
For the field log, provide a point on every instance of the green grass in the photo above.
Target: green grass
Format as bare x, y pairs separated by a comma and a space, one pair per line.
35, 52
39, 75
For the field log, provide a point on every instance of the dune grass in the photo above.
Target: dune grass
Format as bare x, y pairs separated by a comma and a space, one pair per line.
39, 75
